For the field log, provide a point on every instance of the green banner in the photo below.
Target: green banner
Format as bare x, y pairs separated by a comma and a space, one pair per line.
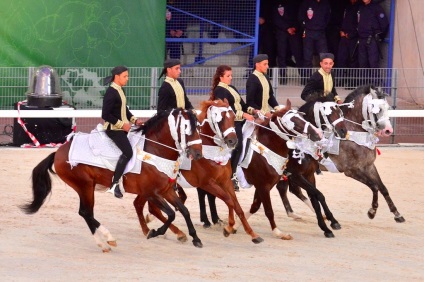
95, 33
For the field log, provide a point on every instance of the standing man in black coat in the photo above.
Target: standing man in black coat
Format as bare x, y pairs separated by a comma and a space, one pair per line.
288, 34
372, 27
172, 93
259, 92
348, 53
315, 16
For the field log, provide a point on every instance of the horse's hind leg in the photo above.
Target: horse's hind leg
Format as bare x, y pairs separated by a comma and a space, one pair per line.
201, 194
213, 210
154, 210
100, 233
310, 188
282, 187
163, 205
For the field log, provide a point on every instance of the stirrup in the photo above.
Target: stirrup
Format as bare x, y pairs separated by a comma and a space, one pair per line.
115, 190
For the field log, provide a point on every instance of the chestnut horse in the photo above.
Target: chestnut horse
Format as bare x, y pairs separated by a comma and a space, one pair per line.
150, 184
218, 139
366, 120
299, 171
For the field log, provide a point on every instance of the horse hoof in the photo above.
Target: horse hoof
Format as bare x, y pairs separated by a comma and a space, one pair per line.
206, 225
106, 250
112, 243
197, 244
219, 222
286, 237
182, 238
234, 231
336, 226
371, 213
151, 234
225, 232
329, 234
257, 240
400, 219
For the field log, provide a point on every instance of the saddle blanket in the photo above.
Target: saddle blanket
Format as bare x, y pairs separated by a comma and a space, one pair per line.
97, 149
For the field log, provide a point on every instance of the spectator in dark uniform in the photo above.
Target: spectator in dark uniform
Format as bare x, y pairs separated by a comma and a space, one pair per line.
222, 89
118, 120
172, 93
259, 92
321, 83
348, 53
288, 34
372, 27
175, 27
333, 28
266, 41
315, 16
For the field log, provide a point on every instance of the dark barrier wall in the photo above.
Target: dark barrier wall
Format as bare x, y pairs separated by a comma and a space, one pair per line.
93, 33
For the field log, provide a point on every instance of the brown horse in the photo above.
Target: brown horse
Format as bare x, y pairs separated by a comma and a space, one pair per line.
366, 120
299, 171
150, 184
218, 137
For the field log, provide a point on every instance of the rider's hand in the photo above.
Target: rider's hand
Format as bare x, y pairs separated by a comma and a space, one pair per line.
248, 117
126, 127
138, 122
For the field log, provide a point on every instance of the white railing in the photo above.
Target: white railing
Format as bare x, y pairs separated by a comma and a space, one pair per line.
138, 113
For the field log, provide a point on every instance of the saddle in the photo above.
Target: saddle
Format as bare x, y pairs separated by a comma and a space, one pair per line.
97, 149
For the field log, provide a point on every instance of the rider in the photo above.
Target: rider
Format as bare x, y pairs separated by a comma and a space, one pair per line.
259, 92
222, 89
118, 119
172, 93
322, 81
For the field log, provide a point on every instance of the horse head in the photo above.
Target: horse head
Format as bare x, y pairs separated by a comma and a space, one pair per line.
293, 123
325, 115
371, 110
218, 117
188, 135
181, 134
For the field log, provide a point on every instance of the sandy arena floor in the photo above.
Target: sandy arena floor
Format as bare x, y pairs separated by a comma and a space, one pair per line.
56, 245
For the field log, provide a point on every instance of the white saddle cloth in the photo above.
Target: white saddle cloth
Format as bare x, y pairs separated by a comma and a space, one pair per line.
97, 149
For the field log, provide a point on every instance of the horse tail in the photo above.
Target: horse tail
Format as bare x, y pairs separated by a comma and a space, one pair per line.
41, 184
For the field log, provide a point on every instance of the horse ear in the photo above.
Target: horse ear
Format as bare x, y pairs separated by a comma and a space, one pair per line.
288, 104
226, 101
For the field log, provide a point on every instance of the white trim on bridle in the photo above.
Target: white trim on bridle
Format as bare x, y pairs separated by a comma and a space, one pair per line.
324, 109
213, 117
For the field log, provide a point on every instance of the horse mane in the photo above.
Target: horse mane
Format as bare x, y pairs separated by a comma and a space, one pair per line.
155, 123
364, 90
310, 103
206, 104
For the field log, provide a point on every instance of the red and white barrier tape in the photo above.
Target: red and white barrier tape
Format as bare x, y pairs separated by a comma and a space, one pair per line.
36, 143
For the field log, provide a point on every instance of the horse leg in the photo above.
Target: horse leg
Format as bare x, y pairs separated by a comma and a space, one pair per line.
213, 210
201, 194
311, 190
139, 203
155, 211
282, 187
256, 204
101, 234
370, 177
265, 197
173, 199
160, 203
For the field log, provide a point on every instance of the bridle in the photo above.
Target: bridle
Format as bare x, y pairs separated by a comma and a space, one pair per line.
214, 117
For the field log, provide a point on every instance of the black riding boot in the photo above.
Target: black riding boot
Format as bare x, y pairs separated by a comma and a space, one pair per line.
235, 156
119, 170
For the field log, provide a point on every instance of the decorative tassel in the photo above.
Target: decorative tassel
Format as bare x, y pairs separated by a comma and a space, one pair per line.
378, 151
